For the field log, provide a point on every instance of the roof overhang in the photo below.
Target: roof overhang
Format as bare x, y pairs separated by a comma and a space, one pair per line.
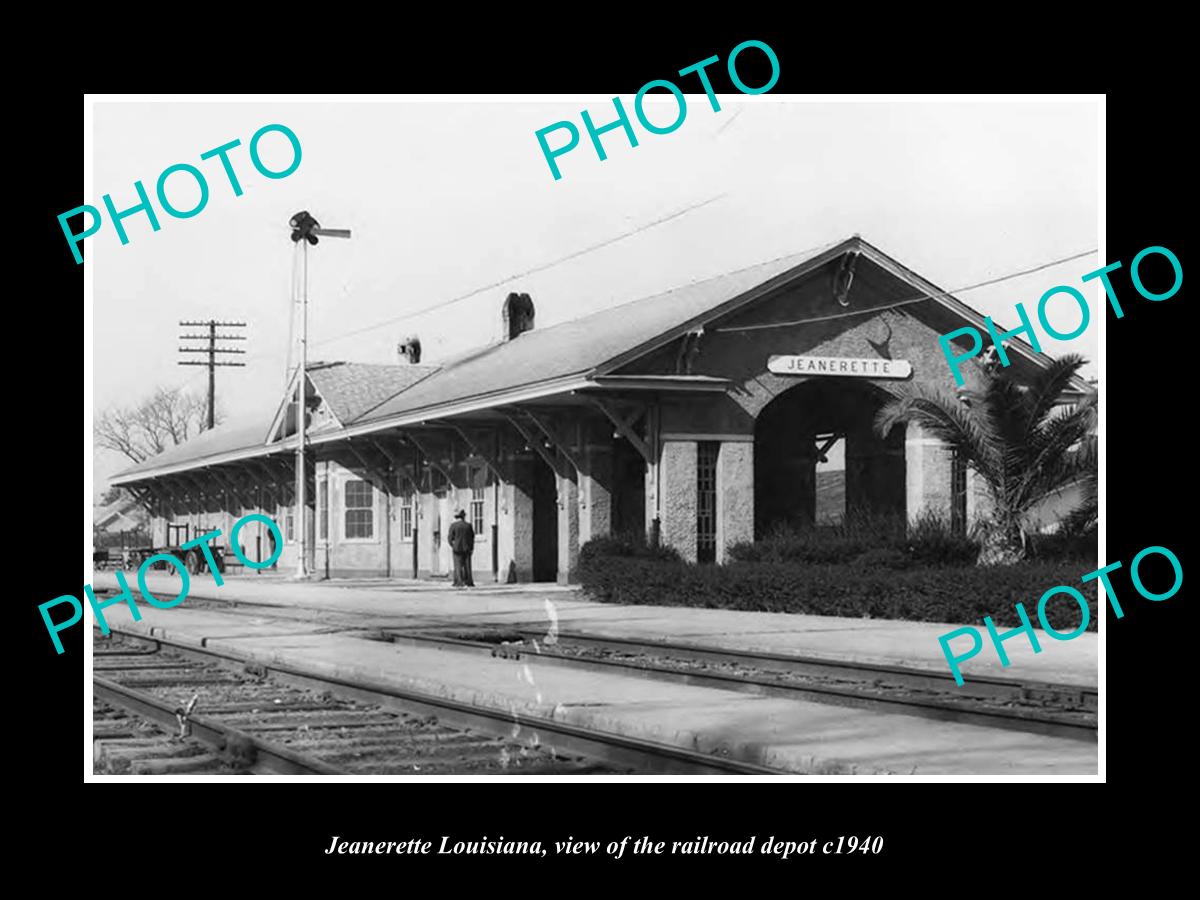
853, 244
231, 456
1079, 385
706, 383
601, 377
416, 418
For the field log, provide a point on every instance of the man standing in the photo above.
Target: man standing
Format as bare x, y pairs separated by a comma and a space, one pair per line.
461, 538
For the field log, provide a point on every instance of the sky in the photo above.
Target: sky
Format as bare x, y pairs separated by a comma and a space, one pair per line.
451, 199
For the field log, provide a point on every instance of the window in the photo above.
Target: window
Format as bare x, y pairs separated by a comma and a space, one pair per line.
323, 509
406, 518
706, 501
477, 510
360, 509
290, 527
958, 494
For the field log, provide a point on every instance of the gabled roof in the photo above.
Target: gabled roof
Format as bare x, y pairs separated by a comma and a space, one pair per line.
346, 390
212, 445
597, 344
123, 515
580, 353
578, 346
351, 389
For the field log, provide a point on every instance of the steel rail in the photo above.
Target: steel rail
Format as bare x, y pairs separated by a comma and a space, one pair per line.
984, 686
275, 758
647, 757
981, 686
1026, 720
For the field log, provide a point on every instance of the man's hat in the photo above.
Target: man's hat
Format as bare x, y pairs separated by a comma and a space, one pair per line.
461, 514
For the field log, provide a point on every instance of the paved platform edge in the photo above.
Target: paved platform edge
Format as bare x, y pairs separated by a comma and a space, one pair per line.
607, 720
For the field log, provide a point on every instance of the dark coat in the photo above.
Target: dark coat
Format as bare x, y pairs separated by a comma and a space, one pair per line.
461, 536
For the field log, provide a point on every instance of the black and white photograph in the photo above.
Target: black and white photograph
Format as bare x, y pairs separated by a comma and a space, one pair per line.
472, 437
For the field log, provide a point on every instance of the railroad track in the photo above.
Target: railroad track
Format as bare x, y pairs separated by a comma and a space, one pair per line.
251, 718
1058, 710
1037, 707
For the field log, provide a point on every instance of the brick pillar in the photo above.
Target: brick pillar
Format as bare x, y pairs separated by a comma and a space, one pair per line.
735, 495
595, 490
678, 504
979, 499
568, 529
427, 515
927, 464
516, 522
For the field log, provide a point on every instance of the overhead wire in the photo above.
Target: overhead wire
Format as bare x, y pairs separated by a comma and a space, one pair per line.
539, 268
922, 298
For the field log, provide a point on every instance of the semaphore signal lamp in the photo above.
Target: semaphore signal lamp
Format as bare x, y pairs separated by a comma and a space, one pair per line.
303, 225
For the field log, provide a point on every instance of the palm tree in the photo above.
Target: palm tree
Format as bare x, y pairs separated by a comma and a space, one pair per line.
1019, 438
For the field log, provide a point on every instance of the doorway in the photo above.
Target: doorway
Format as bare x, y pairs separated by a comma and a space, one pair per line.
436, 566
629, 489
818, 460
545, 523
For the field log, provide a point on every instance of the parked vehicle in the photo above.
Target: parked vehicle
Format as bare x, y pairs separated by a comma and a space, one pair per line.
192, 559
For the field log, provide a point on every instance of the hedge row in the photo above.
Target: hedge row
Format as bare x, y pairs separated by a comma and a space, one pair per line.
866, 537
954, 594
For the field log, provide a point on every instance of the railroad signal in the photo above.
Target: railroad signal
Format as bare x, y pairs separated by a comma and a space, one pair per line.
305, 227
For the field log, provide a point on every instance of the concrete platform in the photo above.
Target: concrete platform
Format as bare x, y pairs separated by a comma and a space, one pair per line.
398, 603
793, 735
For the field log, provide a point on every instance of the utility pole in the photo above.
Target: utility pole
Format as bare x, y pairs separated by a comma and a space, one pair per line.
211, 337
305, 228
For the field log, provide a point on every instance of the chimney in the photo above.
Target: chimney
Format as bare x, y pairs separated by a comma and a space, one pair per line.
410, 349
518, 316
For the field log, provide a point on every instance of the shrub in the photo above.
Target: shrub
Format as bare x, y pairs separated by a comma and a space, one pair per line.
886, 558
857, 533
932, 542
953, 594
625, 545
1082, 546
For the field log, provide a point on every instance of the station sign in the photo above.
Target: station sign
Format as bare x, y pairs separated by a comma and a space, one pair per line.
838, 365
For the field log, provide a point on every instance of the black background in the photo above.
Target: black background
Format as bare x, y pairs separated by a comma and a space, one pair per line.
952, 836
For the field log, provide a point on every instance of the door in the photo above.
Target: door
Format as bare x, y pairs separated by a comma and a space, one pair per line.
437, 545
545, 523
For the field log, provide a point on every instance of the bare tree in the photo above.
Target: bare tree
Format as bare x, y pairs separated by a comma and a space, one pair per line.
168, 417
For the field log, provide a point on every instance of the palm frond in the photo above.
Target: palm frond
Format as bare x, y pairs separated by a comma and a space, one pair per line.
1003, 407
942, 415
1059, 462
1047, 386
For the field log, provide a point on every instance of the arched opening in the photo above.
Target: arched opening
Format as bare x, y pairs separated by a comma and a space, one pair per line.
817, 457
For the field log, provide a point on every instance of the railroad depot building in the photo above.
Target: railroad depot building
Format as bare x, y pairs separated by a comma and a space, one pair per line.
705, 415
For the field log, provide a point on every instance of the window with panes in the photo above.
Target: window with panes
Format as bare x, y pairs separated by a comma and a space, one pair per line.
478, 482
958, 493
406, 517
360, 509
706, 500
323, 509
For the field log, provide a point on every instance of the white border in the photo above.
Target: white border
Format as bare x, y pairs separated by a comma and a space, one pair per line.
89, 361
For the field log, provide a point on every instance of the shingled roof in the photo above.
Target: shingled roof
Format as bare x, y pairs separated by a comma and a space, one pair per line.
206, 447
351, 389
366, 397
578, 346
